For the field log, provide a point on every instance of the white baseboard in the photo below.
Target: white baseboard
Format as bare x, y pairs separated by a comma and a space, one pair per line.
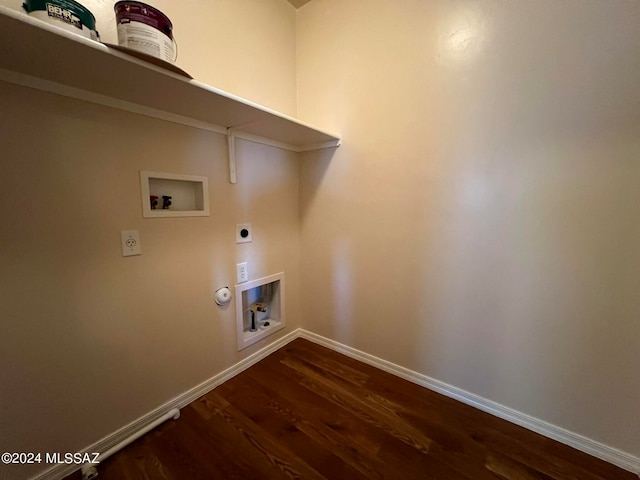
59, 471
584, 444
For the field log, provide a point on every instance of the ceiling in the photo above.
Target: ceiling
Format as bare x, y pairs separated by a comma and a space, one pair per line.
298, 3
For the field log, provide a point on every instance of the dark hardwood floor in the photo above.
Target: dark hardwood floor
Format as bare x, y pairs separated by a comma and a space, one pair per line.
308, 412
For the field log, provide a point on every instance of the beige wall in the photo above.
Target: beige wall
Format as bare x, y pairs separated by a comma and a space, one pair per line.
480, 223
245, 47
91, 340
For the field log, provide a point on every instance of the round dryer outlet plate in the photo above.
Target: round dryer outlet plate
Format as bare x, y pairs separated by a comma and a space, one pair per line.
223, 296
244, 233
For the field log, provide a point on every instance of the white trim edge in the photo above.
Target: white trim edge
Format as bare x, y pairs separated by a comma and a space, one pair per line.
604, 452
60, 471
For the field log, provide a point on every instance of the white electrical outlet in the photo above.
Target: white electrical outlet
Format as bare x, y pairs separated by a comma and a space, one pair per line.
243, 272
244, 233
130, 241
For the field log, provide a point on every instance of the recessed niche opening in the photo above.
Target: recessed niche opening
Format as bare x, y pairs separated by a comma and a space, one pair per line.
259, 309
174, 195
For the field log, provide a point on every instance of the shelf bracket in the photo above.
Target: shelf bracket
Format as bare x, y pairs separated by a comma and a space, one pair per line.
231, 138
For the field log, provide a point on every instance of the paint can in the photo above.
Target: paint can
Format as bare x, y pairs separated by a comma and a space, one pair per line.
66, 14
145, 29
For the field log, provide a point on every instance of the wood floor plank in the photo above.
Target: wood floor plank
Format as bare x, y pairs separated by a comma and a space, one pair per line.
256, 445
510, 469
553, 466
359, 406
282, 420
417, 465
353, 441
317, 411
178, 458
311, 413
214, 448
334, 367
142, 463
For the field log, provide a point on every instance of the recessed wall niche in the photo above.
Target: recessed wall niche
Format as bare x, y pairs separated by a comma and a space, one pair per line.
259, 309
174, 195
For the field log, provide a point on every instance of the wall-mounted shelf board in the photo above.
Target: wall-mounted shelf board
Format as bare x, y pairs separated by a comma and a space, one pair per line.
39, 55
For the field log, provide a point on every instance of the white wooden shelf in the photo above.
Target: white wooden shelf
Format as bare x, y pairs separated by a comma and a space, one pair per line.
42, 56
